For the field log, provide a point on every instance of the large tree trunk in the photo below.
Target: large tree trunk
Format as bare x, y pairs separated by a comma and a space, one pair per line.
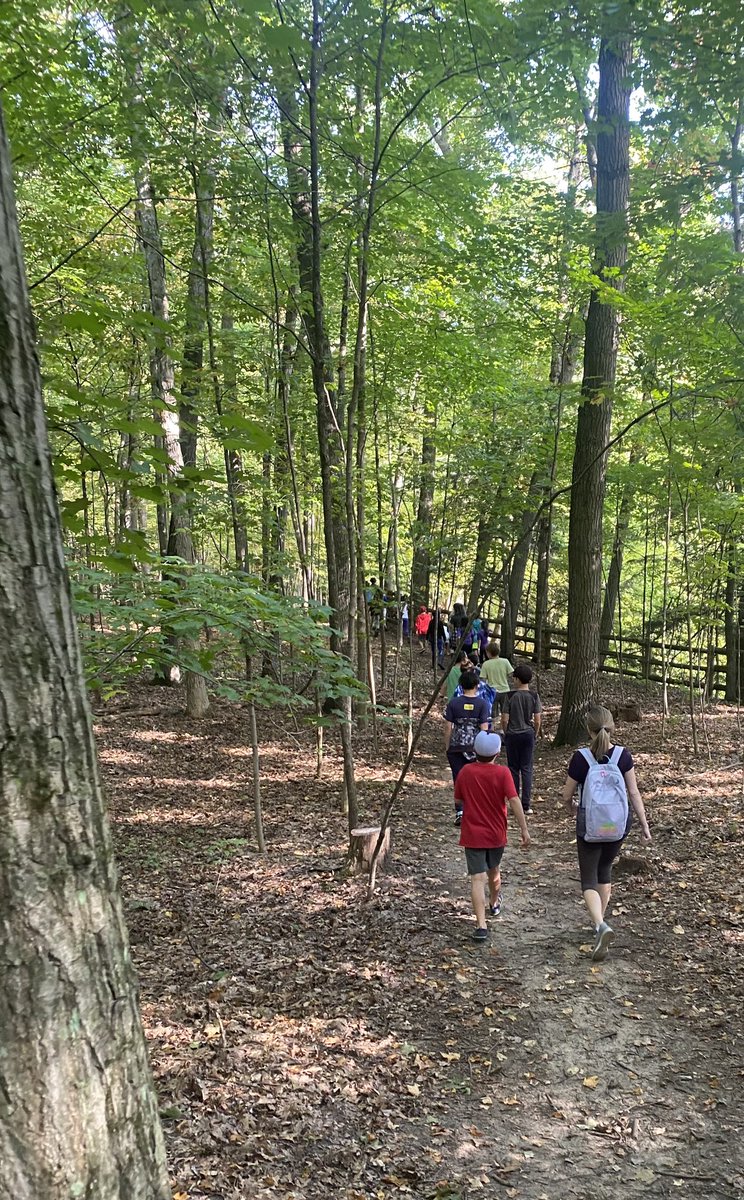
563, 359
595, 413
78, 1113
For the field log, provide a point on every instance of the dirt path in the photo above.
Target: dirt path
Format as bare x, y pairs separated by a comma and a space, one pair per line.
307, 1045
599, 1080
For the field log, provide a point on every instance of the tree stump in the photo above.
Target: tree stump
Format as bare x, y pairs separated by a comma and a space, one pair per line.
628, 711
362, 846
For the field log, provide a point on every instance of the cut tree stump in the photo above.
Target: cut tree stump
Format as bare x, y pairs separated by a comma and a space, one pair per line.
362, 846
629, 711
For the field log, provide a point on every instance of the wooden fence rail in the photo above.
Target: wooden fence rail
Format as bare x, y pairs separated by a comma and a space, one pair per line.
638, 658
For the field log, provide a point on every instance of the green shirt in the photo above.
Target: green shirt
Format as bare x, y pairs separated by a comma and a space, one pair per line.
496, 671
453, 679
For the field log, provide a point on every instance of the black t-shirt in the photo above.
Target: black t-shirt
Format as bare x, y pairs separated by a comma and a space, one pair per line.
521, 706
578, 769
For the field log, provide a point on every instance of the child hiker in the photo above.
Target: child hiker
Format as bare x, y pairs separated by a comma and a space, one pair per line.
602, 792
421, 625
464, 716
483, 789
459, 665
520, 723
496, 671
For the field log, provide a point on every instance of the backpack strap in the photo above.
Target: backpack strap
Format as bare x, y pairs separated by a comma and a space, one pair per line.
586, 753
615, 756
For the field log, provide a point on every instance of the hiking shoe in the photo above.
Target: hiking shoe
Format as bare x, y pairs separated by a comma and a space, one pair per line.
495, 909
605, 938
458, 818
480, 935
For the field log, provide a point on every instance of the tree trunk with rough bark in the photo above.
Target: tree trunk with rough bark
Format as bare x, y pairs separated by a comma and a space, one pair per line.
78, 1112
595, 412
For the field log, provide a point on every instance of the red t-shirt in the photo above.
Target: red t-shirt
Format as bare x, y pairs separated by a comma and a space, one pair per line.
423, 621
484, 789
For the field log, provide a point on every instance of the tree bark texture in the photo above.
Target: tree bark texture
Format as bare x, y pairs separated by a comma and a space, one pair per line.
595, 412
78, 1113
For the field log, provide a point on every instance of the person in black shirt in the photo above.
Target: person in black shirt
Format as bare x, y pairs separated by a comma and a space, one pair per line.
520, 723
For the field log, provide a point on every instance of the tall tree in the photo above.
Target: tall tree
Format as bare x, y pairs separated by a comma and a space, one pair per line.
600, 364
79, 1115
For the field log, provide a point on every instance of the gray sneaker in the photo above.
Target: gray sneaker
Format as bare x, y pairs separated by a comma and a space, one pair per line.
605, 938
480, 935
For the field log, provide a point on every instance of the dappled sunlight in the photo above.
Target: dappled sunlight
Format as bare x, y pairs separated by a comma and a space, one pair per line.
120, 757
165, 736
323, 1028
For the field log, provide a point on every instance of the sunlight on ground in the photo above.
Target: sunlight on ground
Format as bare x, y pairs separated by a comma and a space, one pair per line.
165, 735
121, 757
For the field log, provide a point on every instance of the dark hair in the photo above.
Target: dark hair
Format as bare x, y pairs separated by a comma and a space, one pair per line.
492, 649
523, 673
468, 680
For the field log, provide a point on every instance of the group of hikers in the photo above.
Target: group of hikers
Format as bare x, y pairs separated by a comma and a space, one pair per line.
439, 629
489, 699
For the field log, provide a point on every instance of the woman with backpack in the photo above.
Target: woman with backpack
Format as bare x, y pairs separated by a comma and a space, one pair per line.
605, 777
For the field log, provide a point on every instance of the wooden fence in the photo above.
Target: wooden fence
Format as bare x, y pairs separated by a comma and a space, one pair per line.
639, 658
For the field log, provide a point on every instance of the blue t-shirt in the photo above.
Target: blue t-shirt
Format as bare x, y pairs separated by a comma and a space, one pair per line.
467, 714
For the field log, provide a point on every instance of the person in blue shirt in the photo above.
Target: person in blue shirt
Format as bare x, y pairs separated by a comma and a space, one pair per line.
464, 717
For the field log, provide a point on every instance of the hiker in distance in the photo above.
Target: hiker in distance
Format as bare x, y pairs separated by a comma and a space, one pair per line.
604, 776
483, 789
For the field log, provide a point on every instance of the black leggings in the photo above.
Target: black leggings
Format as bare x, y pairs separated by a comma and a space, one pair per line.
595, 862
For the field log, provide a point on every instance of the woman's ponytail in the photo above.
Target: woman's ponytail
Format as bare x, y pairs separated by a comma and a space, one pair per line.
600, 723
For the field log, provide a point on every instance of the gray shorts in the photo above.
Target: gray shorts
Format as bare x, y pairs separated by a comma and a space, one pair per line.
480, 861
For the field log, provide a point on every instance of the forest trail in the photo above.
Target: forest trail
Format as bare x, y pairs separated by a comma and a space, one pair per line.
306, 1044
579, 1079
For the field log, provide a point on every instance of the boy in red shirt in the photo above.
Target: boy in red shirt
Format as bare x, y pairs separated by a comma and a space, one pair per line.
482, 789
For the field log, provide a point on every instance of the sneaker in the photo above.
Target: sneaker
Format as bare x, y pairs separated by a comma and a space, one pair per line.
480, 935
528, 811
495, 909
458, 818
605, 938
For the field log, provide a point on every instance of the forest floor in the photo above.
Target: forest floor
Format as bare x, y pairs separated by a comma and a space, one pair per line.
307, 1044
